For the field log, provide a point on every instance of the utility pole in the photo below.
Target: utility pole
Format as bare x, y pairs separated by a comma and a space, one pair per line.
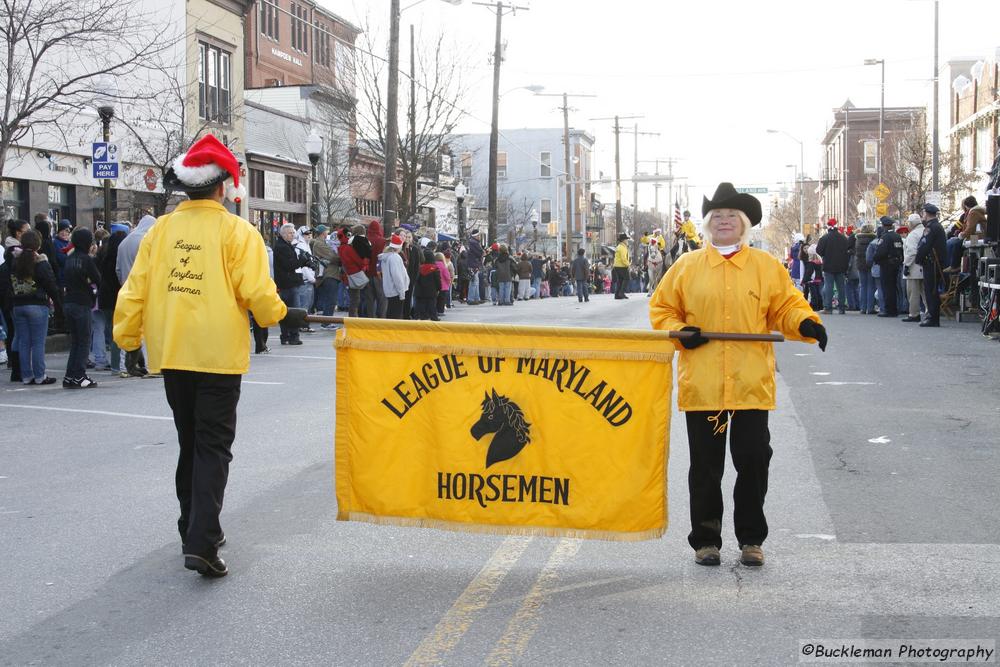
568, 179
413, 126
391, 129
935, 155
618, 172
635, 187
499, 7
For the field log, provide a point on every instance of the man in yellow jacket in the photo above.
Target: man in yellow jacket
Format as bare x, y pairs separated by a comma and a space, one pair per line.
619, 270
198, 271
727, 385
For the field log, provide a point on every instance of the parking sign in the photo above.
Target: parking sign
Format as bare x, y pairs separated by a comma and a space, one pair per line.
104, 160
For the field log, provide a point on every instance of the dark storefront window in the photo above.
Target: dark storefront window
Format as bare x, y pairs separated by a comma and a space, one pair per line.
15, 198
61, 203
256, 186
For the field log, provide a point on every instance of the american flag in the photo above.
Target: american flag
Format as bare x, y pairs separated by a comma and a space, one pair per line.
677, 213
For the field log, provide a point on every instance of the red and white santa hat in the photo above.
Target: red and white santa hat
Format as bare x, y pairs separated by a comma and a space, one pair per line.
395, 241
207, 163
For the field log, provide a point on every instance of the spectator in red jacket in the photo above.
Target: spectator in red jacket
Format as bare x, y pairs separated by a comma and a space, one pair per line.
352, 264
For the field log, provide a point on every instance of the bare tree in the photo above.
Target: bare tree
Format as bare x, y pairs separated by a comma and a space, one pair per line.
908, 167
57, 54
783, 221
440, 89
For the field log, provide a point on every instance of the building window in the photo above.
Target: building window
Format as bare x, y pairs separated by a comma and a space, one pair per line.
545, 157
270, 19
300, 28
321, 44
501, 164
256, 183
965, 152
214, 84
984, 154
546, 217
466, 165
295, 189
871, 157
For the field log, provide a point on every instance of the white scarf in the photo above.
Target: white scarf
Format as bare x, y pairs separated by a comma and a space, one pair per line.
726, 249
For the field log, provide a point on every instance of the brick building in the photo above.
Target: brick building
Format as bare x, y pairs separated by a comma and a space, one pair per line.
974, 116
297, 42
850, 155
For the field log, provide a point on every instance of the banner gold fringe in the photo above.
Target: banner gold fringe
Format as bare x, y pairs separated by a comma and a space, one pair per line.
534, 531
530, 353
366, 324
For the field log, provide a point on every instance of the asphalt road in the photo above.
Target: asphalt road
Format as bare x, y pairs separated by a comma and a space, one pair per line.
882, 509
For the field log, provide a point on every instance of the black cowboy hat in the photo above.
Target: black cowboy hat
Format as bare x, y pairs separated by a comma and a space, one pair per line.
726, 196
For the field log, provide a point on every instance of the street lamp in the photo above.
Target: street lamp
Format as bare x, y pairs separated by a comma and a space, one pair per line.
534, 224
802, 169
881, 114
391, 120
314, 148
460, 191
104, 101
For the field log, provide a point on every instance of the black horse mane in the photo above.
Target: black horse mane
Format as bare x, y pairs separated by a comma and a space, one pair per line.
513, 414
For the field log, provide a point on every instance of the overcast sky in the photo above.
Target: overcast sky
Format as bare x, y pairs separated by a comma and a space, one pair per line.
710, 76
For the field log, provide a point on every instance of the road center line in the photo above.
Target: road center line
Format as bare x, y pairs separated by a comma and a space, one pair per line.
86, 412
523, 625
454, 624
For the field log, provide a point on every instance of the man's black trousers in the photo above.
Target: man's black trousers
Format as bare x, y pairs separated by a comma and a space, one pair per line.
750, 444
932, 297
204, 406
888, 298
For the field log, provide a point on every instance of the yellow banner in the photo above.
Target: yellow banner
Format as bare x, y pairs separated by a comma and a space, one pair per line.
503, 429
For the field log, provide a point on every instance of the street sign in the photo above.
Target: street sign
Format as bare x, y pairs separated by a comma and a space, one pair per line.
104, 160
149, 178
881, 191
934, 197
881, 209
753, 191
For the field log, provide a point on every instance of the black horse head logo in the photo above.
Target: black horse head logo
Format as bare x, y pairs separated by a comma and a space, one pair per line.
503, 417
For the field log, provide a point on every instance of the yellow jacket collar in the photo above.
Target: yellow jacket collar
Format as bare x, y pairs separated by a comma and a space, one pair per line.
200, 203
715, 258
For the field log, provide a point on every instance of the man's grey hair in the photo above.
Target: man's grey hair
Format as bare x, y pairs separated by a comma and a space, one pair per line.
287, 225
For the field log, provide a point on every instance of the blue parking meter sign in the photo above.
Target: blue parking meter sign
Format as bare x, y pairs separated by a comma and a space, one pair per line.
104, 160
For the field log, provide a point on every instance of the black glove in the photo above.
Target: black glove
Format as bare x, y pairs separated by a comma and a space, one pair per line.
691, 342
906, 270
810, 329
296, 318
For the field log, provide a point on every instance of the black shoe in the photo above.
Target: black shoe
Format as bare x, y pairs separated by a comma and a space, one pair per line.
47, 380
218, 545
911, 319
293, 342
888, 315
206, 567
930, 323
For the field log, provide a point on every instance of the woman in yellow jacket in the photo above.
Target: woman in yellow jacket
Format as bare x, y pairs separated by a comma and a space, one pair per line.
198, 271
726, 385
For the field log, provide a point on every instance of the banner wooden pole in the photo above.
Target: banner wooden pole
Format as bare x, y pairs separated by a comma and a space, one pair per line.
711, 335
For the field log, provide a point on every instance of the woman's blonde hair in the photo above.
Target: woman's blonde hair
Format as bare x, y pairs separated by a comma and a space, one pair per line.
706, 227
439, 256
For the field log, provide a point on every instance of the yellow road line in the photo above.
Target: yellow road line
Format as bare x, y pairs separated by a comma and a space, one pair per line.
525, 622
454, 624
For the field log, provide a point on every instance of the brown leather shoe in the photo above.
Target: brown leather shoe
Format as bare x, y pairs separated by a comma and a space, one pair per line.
707, 556
752, 555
